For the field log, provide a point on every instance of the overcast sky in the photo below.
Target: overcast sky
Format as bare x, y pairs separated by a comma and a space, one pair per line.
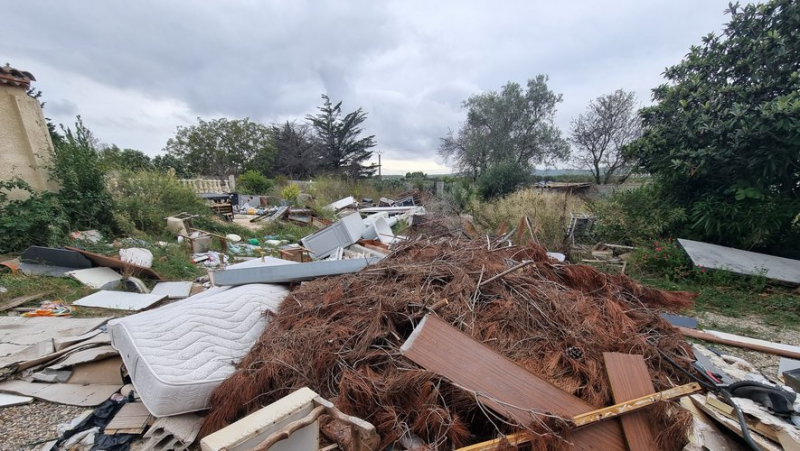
136, 70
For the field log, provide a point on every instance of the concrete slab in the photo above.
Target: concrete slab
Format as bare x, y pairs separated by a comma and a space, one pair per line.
119, 300
173, 290
742, 262
96, 278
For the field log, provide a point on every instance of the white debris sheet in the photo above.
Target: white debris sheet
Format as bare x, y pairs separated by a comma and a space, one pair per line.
97, 278
18, 333
177, 354
738, 261
120, 300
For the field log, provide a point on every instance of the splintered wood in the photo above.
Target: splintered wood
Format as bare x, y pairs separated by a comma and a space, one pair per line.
502, 385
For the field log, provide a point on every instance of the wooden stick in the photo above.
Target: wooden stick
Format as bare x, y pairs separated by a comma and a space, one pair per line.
700, 335
594, 416
21, 300
509, 270
634, 404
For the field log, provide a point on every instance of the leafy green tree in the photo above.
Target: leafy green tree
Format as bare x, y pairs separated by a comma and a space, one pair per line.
297, 152
167, 162
503, 177
134, 160
601, 134
513, 125
343, 151
724, 134
222, 147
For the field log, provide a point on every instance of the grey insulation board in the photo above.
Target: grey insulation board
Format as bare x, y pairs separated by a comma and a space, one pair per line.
288, 273
742, 262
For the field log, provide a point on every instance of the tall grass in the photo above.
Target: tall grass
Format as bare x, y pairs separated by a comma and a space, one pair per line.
548, 213
325, 190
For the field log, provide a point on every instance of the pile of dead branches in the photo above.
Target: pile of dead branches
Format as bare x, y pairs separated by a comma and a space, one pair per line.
341, 337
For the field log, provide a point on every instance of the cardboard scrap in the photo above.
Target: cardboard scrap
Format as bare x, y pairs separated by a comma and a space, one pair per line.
70, 394
85, 356
18, 333
103, 372
132, 418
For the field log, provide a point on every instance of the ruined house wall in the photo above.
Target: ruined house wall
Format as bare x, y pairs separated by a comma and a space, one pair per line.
25, 144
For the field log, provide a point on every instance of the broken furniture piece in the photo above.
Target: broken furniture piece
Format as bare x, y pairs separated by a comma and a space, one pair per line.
290, 423
117, 264
342, 233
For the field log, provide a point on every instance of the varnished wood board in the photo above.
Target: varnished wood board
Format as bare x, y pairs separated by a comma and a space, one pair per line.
501, 384
630, 379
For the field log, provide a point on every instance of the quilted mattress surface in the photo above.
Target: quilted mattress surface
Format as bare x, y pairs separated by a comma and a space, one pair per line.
177, 354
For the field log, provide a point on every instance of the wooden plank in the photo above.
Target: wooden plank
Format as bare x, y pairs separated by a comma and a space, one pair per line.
115, 263
21, 300
502, 385
630, 379
635, 404
700, 335
583, 419
132, 418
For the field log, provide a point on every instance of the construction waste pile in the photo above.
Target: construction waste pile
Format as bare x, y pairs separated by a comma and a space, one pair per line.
356, 338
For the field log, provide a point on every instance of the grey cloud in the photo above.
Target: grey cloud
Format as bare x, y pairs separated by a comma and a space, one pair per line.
409, 64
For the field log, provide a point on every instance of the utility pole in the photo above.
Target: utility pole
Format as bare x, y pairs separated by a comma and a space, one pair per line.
379, 152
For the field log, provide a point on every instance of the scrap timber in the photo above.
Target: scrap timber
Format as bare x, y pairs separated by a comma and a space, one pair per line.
342, 337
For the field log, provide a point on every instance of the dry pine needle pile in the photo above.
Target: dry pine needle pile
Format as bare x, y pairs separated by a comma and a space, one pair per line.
341, 336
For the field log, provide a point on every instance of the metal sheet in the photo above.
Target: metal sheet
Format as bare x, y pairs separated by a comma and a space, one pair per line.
289, 272
742, 262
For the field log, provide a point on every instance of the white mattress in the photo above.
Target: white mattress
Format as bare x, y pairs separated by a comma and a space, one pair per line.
177, 354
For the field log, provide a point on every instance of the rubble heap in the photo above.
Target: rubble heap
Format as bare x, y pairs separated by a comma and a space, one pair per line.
341, 337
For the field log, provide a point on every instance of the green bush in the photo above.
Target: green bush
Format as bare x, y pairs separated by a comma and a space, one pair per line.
253, 182
290, 193
144, 199
635, 217
38, 220
665, 257
77, 167
503, 178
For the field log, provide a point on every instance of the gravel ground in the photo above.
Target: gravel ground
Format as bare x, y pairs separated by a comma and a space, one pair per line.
752, 327
28, 426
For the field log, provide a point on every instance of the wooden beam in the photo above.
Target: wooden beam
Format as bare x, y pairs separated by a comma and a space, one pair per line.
21, 300
700, 335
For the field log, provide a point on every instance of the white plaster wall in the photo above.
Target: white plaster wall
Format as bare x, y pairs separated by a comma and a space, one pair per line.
25, 145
